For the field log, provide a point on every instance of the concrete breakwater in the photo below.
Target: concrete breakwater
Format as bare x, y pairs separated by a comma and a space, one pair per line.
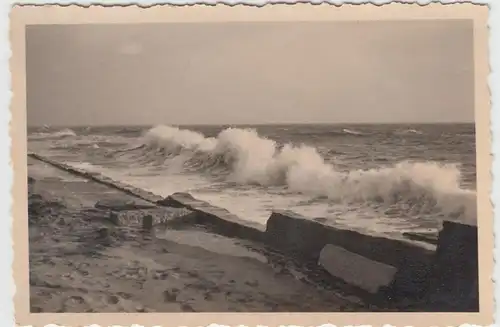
131, 190
441, 277
435, 277
307, 238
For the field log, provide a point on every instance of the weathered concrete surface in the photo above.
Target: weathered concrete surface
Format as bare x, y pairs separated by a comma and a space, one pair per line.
221, 220
159, 215
454, 279
306, 238
355, 269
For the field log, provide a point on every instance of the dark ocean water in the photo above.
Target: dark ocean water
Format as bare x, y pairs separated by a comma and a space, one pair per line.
381, 178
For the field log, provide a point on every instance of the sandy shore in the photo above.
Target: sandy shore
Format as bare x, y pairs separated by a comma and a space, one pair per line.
80, 262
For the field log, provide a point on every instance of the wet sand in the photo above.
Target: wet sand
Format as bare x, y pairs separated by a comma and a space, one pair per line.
80, 262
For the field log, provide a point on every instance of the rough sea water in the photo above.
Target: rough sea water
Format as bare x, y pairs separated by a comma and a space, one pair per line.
375, 178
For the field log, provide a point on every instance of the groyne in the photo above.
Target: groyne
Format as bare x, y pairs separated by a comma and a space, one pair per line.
437, 277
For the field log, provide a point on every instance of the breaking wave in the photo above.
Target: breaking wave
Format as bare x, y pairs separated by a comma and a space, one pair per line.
351, 132
53, 135
243, 156
410, 131
330, 132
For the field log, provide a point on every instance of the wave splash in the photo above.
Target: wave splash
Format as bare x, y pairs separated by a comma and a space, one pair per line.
243, 156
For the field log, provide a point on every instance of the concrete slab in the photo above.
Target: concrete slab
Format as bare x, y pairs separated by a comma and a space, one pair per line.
355, 269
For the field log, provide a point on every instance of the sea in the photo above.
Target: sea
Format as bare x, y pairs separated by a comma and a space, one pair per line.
383, 179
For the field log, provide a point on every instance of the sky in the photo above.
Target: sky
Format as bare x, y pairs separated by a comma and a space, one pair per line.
250, 73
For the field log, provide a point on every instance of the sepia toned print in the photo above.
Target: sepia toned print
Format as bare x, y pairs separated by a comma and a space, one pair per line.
294, 165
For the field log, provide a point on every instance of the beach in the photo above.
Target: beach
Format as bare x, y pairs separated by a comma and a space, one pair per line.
79, 262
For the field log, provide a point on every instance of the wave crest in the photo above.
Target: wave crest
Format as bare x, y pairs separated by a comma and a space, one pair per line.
243, 156
351, 132
53, 135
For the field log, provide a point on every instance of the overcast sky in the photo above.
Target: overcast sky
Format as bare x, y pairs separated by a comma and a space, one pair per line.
204, 73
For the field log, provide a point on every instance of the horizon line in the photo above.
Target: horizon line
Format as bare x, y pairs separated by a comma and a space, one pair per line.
255, 124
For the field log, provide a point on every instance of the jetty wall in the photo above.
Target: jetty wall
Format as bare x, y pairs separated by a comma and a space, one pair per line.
394, 268
126, 188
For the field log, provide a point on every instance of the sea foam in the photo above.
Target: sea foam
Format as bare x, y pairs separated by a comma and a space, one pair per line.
53, 135
243, 156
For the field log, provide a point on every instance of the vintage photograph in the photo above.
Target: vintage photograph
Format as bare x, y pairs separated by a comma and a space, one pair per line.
252, 166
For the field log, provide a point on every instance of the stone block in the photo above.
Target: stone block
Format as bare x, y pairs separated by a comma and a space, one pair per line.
355, 269
305, 238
